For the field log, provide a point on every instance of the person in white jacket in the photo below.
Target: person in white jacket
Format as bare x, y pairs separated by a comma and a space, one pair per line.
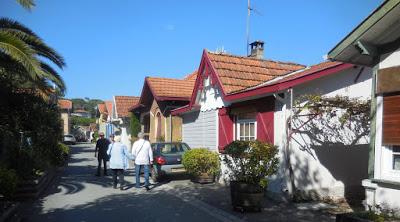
143, 154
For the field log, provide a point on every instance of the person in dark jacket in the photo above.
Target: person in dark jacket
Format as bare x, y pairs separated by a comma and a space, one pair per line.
101, 151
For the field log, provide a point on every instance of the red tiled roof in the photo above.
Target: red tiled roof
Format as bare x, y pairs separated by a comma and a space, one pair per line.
123, 103
108, 107
102, 108
238, 73
191, 76
65, 104
309, 70
165, 87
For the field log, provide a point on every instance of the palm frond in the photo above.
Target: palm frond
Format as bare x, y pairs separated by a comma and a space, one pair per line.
29, 37
27, 4
52, 75
20, 52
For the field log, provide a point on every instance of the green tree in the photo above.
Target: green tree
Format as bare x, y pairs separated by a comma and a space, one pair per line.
23, 56
135, 125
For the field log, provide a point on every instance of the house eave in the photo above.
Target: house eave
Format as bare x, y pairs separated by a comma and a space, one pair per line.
377, 34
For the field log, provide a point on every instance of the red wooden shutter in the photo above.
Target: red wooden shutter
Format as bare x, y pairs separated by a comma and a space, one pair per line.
265, 121
391, 120
225, 128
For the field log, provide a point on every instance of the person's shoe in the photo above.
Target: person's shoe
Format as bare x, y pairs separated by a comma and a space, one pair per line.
121, 188
115, 187
147, 188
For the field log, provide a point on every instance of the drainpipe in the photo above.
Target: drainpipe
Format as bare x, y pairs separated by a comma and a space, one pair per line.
289, 132
170, 127
371, 158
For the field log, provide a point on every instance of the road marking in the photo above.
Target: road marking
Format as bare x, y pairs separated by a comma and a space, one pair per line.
207, 208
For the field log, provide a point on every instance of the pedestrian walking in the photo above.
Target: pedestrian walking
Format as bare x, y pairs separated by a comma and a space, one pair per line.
101, 153
143, 154
119, 157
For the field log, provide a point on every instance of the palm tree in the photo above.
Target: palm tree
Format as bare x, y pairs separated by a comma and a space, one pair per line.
27, 4
23, 55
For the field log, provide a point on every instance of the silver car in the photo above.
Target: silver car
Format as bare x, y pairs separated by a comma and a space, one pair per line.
69, 139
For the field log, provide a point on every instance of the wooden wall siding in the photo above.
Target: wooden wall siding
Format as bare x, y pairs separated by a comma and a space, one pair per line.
388, 80
200, 129
391, 120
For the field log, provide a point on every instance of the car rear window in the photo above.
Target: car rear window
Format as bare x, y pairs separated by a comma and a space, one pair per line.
173, 149
68, 136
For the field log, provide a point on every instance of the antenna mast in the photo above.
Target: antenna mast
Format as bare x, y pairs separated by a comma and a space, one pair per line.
248, 27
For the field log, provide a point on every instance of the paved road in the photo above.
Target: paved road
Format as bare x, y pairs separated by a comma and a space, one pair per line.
77, 195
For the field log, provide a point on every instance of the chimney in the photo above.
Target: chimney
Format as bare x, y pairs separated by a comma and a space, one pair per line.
257, 49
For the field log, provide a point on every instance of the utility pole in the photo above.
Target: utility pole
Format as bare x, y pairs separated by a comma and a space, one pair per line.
248, 27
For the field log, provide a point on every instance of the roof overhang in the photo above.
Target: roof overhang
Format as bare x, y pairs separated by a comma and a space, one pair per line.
378, 34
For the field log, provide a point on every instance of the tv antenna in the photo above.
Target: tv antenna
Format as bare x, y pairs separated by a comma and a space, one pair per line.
249, 10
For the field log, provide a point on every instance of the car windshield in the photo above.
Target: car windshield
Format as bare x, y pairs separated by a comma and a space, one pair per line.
173, 148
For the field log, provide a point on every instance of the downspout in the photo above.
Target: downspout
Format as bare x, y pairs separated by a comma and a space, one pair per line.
371, 158
289, 132
170, 127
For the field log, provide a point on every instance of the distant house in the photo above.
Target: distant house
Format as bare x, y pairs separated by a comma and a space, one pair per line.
65, 108
121, 117
375, 43
159, 96
101, 114
109, 125
249, 98
81, 113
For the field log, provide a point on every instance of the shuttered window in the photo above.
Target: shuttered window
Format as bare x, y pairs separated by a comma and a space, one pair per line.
391, 120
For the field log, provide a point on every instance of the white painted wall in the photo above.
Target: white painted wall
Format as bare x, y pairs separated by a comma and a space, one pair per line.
210, 98
319, 170
380, 193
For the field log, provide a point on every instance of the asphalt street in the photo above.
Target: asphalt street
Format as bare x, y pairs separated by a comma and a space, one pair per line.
78, 195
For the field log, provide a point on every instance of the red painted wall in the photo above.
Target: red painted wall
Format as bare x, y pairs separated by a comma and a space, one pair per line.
265, 120
225, 128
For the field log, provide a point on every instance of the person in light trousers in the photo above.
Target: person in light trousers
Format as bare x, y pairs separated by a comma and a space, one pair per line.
143, 154
119, 156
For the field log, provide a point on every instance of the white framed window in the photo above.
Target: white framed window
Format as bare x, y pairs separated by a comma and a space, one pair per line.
396, 158
246, 127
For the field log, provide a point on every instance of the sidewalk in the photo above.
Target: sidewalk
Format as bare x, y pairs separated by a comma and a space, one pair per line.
218, 196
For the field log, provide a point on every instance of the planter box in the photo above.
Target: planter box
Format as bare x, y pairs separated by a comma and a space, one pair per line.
350, 218
246, 197
203, 178
31, 189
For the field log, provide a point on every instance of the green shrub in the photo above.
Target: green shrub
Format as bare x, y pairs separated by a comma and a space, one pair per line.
251, 161
8, 182
61, 153
135, 126
201, 160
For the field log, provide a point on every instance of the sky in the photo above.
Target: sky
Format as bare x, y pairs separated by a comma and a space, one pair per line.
111, 46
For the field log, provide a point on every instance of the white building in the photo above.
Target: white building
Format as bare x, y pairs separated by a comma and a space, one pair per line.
242, 98
375, 43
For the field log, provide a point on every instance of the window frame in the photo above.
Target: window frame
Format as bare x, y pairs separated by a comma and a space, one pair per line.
245, 121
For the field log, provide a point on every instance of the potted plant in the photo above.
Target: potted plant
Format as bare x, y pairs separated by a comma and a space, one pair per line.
202, 164
249, 163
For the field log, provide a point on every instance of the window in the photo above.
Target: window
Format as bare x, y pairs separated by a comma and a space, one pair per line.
396, 157
246, 127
